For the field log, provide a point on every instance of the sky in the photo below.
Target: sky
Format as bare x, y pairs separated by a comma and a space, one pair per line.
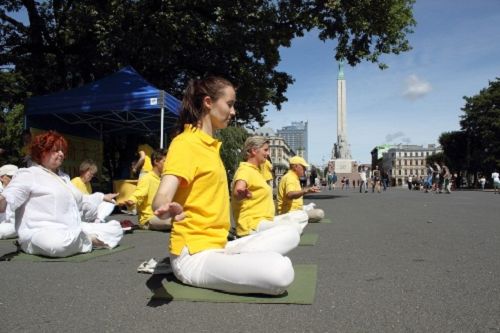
456, 52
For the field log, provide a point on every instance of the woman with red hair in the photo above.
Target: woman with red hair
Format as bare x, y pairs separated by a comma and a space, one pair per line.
49, 208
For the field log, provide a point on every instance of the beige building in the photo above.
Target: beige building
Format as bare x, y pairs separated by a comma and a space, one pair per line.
401, 161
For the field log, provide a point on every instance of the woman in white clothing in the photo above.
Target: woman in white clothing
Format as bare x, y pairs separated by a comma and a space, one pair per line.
47, 206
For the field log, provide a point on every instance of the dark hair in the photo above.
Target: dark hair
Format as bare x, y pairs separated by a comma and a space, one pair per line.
45, 143
192, 102
158, 154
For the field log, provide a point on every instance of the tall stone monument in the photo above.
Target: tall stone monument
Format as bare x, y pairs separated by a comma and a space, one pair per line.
341, 154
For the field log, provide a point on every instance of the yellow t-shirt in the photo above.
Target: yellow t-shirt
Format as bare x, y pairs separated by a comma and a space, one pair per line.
266, 169
250, 211
81, 186
147, 166
289, 183
194, 157
143, 196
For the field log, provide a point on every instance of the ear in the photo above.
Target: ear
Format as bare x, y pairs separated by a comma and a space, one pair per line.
207, 103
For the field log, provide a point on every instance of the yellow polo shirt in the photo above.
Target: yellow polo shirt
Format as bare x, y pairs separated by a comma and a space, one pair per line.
147, 166
81, 186
289, 183
143, 196
194, 157
249, 212
266, 169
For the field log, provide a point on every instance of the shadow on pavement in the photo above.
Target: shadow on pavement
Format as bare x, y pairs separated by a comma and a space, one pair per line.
323, 197
155, 284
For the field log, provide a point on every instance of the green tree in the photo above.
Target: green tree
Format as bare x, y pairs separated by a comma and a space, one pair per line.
481, 124
435, 158
454, 145
232, 139
11, 129
67, 43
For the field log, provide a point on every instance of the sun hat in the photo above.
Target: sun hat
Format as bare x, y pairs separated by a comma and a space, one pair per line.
298, 160
8, 170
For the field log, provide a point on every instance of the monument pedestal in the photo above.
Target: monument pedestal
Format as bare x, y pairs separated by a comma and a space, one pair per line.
344, 168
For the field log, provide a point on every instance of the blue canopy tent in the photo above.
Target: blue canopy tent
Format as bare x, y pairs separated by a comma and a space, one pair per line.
121, 102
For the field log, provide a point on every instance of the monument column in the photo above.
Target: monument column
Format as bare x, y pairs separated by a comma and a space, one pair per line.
343, 149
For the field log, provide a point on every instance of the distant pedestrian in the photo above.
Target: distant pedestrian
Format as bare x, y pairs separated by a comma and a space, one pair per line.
363, 185
496, 181
376, 180
410, 179
482, 182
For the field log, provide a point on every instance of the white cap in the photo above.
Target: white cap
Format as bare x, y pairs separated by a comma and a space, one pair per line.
8, 170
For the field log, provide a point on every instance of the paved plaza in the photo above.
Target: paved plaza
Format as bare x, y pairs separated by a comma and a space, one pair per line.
398, 261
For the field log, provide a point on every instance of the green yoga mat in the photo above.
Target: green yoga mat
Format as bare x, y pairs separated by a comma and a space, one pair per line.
302, 291
10, 240
82, 257
308, 239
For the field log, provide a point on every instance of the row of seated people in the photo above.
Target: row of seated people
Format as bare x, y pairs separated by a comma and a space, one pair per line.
192, 198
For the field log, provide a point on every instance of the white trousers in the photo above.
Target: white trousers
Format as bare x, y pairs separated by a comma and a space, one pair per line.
65, 242
297, 218
252, 264
315, 214
7, 230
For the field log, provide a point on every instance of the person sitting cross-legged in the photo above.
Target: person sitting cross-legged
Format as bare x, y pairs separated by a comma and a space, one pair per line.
194, 192
7, 219
88, 169
49, 208
252, 197
145, 192
290, 193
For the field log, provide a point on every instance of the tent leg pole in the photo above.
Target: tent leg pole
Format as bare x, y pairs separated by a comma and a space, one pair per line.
162, 115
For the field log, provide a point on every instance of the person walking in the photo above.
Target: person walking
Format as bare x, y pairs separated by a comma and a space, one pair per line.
496, 181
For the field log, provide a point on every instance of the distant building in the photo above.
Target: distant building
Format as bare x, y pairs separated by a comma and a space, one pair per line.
402, 161
296, 137
378, 152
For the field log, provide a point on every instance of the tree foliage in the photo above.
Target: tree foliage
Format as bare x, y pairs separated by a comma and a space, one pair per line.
64, 44
233, 139
476, 147
481, 123
11, 129
67, 43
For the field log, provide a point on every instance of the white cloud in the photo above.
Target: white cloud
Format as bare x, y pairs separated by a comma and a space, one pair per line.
416, 87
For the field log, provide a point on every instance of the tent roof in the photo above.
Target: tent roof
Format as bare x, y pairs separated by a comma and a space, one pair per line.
121, 102
124, 90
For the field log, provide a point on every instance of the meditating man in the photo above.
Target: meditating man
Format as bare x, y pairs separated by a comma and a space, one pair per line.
290, 193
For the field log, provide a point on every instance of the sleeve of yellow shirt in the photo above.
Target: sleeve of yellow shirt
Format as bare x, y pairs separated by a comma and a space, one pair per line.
141, 191
292, 185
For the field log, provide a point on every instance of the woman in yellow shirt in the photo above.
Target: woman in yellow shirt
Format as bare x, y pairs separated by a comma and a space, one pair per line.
252, 197
88, 170
194, 192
